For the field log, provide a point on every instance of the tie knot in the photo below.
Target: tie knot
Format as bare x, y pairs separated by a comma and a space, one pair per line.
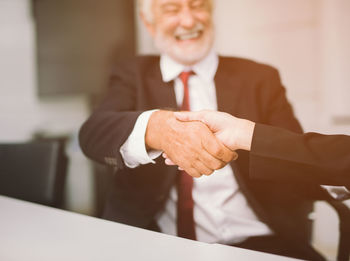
185, 75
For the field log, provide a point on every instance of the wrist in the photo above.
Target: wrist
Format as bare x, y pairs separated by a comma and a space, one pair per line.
155, 128
245, 134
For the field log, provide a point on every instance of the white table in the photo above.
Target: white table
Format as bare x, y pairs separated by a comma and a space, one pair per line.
34, 232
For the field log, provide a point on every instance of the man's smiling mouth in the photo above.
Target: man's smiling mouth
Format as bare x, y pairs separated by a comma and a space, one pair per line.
188, 36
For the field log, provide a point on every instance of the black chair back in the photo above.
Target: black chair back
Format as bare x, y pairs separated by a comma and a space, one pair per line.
33, 171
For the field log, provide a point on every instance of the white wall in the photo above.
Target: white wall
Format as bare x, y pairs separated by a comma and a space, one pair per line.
335, 73
22, 113
309, 42
282, 34
17, 70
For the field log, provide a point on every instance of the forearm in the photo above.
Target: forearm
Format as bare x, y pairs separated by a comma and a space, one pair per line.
102, 135
113, 120
312, 157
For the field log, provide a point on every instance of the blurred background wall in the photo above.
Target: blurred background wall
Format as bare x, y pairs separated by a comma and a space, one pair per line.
307, 40
55, 58
23, 113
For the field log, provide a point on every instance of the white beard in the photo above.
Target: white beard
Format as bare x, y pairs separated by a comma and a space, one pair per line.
189, 55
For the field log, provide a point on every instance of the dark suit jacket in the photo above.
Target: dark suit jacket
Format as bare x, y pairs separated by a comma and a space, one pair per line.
244, 88
279, 154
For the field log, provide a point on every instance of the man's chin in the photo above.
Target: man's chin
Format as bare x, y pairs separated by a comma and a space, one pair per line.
189, 56
186, 52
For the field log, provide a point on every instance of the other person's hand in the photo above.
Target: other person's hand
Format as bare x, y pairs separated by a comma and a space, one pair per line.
234, 133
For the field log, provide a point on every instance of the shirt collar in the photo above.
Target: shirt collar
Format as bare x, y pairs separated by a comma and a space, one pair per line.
205, 68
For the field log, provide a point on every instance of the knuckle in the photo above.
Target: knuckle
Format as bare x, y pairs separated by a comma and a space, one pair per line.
201, 168
216, 164
220, 164
208, 172
227, 155
191, 172
198, 175
232, 155
195, 173
235, 156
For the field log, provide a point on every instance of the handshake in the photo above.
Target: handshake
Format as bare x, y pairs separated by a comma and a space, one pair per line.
198, 142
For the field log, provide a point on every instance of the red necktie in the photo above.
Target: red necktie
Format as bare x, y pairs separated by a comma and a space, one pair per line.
185, 222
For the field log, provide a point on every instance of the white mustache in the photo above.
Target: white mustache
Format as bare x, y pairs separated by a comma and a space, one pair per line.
197, 28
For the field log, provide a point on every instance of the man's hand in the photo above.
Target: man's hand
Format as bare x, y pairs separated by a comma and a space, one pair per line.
190, 145
233, 132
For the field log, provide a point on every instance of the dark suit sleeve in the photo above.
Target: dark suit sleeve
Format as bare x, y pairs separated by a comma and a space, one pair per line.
278, 154
275, 106
105, 131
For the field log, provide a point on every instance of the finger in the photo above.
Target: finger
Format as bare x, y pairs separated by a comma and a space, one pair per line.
194, 167
212, 145
189, 116
169, 162
202, 168
210, 161
193, 172
206, 116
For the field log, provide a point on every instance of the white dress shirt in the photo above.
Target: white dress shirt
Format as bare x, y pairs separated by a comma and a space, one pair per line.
221, 212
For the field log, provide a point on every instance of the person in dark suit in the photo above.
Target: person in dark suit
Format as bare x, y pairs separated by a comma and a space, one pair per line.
135, 123
279, 154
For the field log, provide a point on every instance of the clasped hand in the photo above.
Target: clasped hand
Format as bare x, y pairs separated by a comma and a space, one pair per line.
190, 145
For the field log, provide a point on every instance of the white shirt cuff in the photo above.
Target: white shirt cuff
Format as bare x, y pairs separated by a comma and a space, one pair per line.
133, 150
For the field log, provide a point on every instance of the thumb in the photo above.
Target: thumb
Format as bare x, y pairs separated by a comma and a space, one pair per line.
189, 116
204, 116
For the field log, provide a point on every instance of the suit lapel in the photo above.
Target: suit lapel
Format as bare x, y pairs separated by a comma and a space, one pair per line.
161, 94
227, 88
